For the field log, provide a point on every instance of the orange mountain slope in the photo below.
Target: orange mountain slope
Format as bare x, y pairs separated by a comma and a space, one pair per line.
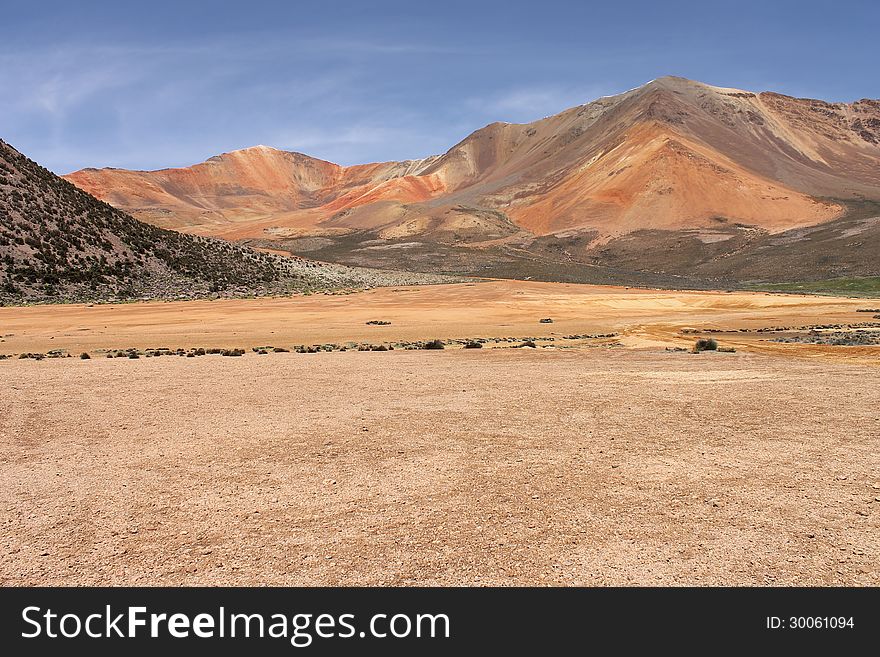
672, 154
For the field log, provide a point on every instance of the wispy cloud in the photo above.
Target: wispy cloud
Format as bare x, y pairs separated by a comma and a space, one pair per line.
169, 83
171, 105
524, 104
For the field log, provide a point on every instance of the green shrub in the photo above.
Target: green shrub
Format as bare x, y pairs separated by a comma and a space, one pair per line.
706, 344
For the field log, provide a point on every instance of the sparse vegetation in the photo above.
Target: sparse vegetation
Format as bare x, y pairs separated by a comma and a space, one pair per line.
84, 356
378, 322
473, 344
857, 338
434, 344
546, 320
867, 286
706, 344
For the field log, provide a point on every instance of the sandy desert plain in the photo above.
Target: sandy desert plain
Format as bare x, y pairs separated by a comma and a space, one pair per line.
582, 461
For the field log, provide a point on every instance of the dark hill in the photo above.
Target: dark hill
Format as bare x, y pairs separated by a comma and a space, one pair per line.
59, 243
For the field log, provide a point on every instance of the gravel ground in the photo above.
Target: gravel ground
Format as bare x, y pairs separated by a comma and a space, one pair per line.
576, 467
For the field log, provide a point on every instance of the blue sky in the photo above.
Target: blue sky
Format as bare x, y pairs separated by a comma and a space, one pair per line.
153, 84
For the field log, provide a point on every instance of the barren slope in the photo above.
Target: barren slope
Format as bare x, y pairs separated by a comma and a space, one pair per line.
249, 184
672, 154
470, 467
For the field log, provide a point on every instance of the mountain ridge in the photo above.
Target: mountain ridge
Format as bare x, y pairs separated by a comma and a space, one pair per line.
689, 129
672, 155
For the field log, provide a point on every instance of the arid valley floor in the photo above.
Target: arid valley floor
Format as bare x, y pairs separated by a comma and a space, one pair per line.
585, 460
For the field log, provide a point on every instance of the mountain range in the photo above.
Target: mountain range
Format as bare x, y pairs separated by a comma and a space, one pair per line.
674, 182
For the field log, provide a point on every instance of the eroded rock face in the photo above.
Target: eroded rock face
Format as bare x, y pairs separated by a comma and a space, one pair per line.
673, 154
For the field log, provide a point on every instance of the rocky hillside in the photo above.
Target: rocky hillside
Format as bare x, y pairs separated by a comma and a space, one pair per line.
60, 243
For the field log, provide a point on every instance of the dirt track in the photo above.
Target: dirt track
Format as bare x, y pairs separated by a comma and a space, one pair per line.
589, 466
